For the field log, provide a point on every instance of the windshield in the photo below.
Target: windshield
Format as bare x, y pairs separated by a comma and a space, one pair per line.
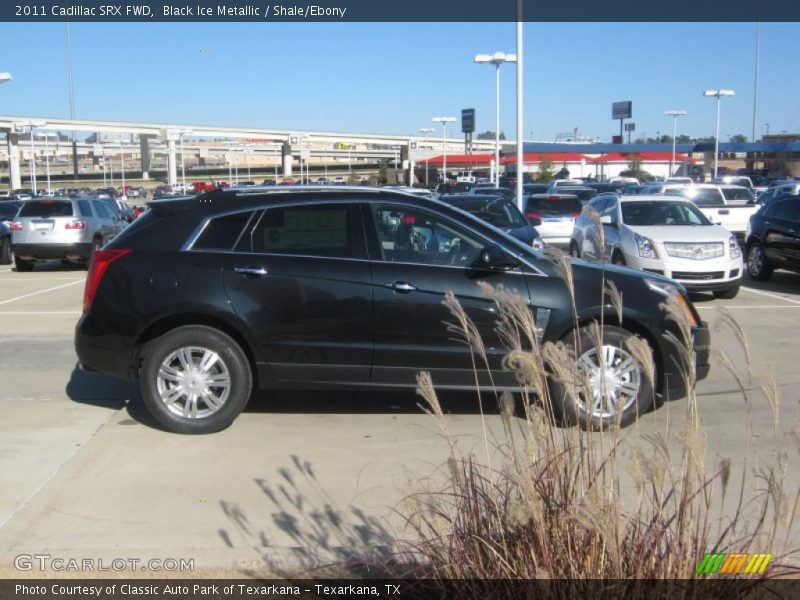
661, 212
738, 194
46, 208
701, 197
499, 212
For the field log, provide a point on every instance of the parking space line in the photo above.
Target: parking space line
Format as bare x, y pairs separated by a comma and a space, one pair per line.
742, 307
45, 291
771, 295
40, 312
19, 280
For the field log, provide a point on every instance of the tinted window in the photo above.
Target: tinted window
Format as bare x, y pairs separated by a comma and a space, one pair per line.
610, 210
101, 209
500, 212
221, 233
46, 208
788, 210
8, 210
85, 208
554, 206
738, 194
662, 213
322, 230
409, 235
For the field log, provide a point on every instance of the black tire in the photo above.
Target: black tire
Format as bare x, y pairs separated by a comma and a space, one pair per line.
230, 356
618, 259
5, 252
757, 266
22, 266
574, 251
728, 294
568, 410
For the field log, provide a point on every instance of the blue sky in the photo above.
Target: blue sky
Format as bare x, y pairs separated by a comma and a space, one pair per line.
393, 77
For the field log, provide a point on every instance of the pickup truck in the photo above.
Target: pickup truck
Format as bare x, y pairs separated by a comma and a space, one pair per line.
733, 215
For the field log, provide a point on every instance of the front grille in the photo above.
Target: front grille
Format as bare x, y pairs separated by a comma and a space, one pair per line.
689, 276
695, 250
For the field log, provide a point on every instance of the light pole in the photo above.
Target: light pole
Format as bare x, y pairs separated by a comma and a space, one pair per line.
182, 133
276, 164
425, 131
444, 121
520, 108
123, 195
718, 94
47, 136
674, 114
496, 59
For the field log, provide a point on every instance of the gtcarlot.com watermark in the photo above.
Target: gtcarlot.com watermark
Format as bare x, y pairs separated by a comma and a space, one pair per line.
48, 562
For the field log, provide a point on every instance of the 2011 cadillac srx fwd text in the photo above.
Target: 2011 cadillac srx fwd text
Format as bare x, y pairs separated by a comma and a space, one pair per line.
204, 299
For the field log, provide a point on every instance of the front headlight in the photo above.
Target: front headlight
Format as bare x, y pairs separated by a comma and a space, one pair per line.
733, 244
646, 247
667, 289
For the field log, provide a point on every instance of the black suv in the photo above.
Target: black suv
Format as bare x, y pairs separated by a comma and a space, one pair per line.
773, 238
203, 299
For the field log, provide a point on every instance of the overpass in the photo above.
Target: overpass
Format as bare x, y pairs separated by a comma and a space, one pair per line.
167, 137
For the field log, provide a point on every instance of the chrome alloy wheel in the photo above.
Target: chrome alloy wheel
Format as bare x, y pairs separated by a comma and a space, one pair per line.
755, 260
614, 381
193, 382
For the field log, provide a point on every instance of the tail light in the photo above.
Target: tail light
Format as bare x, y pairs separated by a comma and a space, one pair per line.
16, 226
101, 259
408, 220
75, 225
575, 215
554, 197
534, 215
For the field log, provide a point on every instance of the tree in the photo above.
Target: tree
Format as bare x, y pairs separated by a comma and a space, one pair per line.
683, 139
383, 175
635, 169
545, 171
489, 135
738, 138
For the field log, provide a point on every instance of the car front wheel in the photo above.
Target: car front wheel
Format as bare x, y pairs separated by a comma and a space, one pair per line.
195, 379
5, 252
757, 266
610, 386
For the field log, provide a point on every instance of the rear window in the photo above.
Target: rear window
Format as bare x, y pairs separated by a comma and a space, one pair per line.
8, 210
85, 208
221, 233
46, 208
499, 212
554, 206
738, 194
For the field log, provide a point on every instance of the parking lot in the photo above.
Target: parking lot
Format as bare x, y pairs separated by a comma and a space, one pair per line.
299, 475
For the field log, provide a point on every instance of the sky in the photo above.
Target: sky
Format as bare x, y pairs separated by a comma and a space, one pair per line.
394, 77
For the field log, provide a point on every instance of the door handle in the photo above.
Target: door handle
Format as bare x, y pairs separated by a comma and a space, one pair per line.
251, 271
400, 286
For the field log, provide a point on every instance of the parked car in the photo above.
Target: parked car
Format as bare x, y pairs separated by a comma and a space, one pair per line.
581, 192
778, 191
502, 213
663, 235
680, 180
136, 192
557, 213
558, 183
69, 229
5, 243
711, 201
8, 210
773, 238
490, 190
220, 293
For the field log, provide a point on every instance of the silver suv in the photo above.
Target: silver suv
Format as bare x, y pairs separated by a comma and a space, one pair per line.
69, 229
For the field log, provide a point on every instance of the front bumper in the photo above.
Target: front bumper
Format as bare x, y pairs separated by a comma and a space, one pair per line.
76, 251
695, 275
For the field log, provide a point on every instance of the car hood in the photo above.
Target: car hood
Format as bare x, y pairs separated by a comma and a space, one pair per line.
684, 233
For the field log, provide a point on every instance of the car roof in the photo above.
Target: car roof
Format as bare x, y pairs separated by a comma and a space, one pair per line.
651, 198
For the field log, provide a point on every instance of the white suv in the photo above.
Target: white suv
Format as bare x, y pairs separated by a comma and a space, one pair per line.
666, 235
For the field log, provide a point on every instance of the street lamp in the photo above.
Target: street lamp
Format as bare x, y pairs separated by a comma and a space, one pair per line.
496, 59
46, 137
444, 121
425, 131
718, 94
674, 114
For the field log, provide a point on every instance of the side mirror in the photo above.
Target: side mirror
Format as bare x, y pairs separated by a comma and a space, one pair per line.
606, 220
534, 221
493, 258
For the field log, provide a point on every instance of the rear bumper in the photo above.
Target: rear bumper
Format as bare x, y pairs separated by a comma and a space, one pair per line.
79, 251
115, 361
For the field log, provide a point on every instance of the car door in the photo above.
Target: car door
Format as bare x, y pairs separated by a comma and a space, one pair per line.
103, 223
417, 256
782, 232
300, 282
589, 249
611, 234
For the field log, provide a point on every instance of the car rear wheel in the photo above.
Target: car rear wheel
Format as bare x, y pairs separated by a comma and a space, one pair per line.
5, 252
757, 266
195, 379
22, 266
611, 387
